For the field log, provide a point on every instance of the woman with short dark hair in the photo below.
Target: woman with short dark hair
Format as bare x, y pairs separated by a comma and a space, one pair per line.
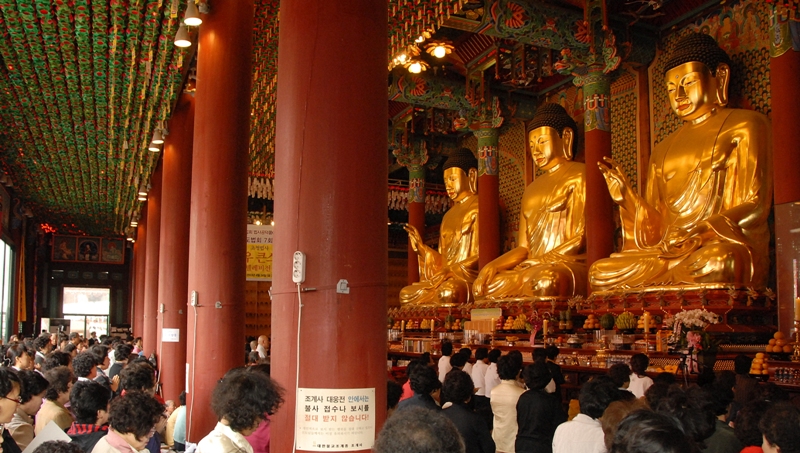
53, 409
241, 401
34, 386
781, 429
538, 413
132, 419
10, 388
458, 390
644, 431
19, 357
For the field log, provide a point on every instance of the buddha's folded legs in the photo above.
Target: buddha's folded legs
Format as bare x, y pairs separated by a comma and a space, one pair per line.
722, 262
540, 280
450, 292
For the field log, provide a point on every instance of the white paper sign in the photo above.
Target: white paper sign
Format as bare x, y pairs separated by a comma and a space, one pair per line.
335, 419
51, 431
170, 335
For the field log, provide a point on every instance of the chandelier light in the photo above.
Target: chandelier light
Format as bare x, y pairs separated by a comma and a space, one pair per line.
439, 49
416, 66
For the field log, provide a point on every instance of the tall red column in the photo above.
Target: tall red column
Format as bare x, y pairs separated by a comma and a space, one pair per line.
139, 264
599, 207
218, 225
785, 92
488, 193
173, 256
330, 203
150, 312
416, 218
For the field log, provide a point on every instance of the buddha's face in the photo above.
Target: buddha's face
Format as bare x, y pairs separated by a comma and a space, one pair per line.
456, 182
548, 149
692, 90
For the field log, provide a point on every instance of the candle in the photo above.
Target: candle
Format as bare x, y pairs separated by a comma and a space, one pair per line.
797, 309
646, 322
544, 327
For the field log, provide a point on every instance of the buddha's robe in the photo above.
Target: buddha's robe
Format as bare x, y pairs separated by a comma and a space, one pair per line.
703, 216
553, 222
446, 276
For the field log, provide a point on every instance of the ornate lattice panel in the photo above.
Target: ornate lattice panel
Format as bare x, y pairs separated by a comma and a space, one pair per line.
743, 31
258, 309
624, 121
512, 181
264, 88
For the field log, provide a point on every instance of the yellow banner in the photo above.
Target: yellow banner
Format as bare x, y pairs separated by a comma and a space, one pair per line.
259, 253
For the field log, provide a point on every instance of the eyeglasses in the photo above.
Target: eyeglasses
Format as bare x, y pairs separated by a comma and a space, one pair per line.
17, 400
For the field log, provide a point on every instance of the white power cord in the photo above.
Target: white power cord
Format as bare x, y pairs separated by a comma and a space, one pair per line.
297, 358
194, 356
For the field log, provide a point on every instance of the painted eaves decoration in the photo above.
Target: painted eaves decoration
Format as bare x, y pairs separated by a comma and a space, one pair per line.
83, 85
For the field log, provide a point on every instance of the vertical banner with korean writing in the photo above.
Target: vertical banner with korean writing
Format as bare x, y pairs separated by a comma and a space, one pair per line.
335, 419
259, 253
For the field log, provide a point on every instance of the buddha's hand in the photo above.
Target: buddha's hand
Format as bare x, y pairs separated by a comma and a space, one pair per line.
481, 284
618, 184
414, 237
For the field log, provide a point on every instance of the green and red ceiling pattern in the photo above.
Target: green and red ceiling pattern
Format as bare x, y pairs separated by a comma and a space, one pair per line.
83, 85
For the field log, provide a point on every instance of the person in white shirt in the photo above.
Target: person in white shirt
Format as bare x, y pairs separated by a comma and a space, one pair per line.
444, 360
491, 379
640, 381
482, 406
504, 402
468, 354
263, 347
584, 433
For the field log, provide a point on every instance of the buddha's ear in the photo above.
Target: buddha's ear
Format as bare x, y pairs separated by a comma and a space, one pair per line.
568, 137
723, 82
473, 180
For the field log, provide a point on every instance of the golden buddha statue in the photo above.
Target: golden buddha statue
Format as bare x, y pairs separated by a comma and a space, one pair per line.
446, 275
702, 220
549, 260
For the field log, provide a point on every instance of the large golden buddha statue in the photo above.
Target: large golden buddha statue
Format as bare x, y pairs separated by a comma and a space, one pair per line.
702, 219
549, 260
446, 275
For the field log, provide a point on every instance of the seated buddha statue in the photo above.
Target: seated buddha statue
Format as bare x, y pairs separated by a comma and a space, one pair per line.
549, 260
702, 219
446, 274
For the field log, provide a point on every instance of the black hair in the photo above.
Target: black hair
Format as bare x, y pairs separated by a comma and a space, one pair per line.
393, 393
457, 387
33, 384
481, 353
101, 351
780, 427
74, 335
466, 351
56, 359
537, 376
463, 158
122, 352
69, 348
136, 413
261, 368
769, 391
244, 399
656, 393
458, 360
447, 348
555, 116
596, 395
41, 341
7, 377
137, 376
83, 364
746, 427
419, 430
639, 364
552, 352
58, 446
620, 373
508, 367
664, 378
182, 398
494, 355
693, 409
741, 364
16, 350
539, 355
413, 365
59, 378
698, 47
643, 431
86, 398
426, 358
423, 380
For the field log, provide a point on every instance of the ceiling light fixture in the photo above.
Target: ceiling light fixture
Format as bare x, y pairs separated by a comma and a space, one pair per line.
439, 49
182, 37
416, 66
142, 197
153, 147
134, 223
158, 137
192, 17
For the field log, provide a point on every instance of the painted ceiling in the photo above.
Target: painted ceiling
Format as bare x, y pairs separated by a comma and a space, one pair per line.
83, 85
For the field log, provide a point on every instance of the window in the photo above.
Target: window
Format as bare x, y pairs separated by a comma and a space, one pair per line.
87, 309
6, 287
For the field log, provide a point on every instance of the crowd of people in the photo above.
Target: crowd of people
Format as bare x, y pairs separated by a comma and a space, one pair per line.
499, 405
103, 393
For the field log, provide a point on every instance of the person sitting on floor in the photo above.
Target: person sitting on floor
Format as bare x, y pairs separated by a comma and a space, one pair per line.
432, 432
458, 390
132, 422
60, 379
584, 433
426, 389
34, 386
89, 402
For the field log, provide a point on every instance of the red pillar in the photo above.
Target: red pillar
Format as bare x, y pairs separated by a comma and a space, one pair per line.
416, 215
599, 206
151, 268
139, 264
785, 92
218, 225
330, 202
488, 194
173, 254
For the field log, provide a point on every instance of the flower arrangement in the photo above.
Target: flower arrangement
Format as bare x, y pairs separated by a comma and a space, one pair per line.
689, 330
